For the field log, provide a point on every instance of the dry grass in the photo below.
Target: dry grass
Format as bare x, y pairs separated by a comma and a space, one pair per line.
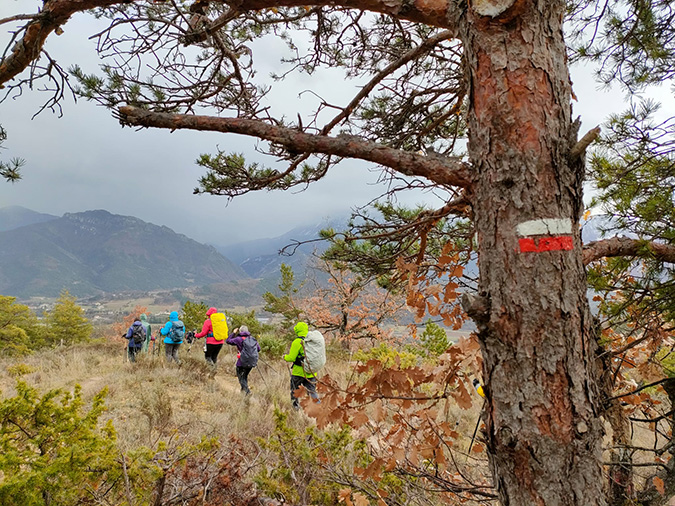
150, 399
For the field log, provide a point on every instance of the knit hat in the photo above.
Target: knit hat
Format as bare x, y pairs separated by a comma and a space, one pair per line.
243, 329
301, 329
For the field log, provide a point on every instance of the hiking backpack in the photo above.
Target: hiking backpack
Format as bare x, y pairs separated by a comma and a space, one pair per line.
248, 356
314, 347
177, 331
220, 331
138, 334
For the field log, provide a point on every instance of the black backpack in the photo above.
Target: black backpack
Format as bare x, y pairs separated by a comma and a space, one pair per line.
138, 334
248, 356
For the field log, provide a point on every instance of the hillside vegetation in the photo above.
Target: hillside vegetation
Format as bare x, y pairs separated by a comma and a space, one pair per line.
113, 432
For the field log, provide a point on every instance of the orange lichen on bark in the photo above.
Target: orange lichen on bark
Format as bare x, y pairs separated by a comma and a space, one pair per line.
556, 418
529, 96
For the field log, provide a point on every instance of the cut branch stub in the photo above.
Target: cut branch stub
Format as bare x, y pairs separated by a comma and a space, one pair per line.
492, 8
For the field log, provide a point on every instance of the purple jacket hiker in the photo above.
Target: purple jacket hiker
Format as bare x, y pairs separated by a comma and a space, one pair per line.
237, 339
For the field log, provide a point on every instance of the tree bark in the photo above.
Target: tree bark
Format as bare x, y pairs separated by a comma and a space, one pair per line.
540, 369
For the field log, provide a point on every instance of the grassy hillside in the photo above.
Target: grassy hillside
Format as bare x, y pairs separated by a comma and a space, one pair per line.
195, 401
262, 450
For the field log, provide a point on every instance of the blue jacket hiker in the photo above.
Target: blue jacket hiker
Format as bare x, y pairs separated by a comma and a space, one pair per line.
174, 331
247, 358
136, 336
298, 375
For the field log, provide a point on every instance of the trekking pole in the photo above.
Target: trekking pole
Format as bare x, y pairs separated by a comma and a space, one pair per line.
273, 369
475, 431
263, 378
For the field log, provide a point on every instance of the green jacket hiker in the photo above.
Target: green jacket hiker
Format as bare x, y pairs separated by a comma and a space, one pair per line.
300, 378
148, 331
296, 353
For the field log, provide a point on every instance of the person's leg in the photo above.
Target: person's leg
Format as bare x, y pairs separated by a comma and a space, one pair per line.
131, 354
208, 353
244, 382
310, 385
216, 350
241, 376
168, 351
296, 381
175, 352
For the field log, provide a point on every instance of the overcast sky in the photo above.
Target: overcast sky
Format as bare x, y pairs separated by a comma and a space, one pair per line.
85, 160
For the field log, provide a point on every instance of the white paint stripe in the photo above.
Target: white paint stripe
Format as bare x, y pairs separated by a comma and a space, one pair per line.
544, 226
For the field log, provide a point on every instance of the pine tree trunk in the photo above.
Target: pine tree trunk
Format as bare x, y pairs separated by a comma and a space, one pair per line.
542, 414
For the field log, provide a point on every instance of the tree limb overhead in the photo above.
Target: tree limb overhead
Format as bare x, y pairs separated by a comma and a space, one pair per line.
55, 13
440, 170
625, 246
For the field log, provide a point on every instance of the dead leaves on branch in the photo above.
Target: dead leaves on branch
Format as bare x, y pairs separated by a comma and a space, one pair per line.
435, 295
406, 416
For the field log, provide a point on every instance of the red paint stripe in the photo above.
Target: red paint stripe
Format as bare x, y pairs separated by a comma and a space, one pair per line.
559, 243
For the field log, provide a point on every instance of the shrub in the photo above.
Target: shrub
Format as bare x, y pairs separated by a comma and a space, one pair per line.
66, 322
388, 355
18, 370
272, 346
434, 340
297, 474
20, 332
50, 445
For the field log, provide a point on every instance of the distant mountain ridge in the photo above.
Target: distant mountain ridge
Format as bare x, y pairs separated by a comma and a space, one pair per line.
12, 217
260, 258
98, 252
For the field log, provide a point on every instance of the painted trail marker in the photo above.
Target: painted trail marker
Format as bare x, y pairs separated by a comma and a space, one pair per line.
545, 234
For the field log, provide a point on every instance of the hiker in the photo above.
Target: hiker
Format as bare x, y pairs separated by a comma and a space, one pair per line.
148, 332
174, 330
136, 337
213, 343
300, 377
247, 358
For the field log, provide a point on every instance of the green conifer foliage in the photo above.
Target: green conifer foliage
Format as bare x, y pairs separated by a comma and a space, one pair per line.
66, 322
52, 451
19, 329
285, 302
434, 340
193, 315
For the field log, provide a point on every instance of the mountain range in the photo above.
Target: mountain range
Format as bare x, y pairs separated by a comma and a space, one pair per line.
261, 258
97, 252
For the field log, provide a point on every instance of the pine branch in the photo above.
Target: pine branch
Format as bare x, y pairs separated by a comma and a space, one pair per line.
440, 170
55, 13
625, 246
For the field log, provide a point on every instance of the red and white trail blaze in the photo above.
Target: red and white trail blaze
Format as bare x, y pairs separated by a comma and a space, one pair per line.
545, 234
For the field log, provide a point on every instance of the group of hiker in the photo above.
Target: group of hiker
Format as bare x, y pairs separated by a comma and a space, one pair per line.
307, 353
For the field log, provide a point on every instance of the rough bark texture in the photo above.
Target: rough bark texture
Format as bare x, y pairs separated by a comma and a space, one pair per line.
540, 368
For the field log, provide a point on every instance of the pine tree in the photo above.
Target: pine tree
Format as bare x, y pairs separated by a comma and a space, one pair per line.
432, 75
66, 322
